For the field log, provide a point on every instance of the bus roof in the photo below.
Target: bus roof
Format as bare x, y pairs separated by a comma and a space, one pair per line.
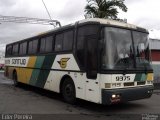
93, 20
102, 21
114, 23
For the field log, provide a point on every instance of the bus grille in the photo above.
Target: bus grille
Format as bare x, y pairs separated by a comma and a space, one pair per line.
141, 83
129, 84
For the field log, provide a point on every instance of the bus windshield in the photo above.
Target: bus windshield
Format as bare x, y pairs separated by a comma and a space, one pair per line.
141, 46
118, 51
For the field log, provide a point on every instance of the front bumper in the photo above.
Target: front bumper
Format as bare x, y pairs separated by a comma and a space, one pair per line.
126, 94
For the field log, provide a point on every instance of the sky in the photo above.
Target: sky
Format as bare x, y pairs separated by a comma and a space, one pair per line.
144, 13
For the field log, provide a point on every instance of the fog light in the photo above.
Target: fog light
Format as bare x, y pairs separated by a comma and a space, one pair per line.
113, 96
150, 91
107, 85
118, 96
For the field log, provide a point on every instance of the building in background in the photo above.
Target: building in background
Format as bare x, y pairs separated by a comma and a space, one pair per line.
1, 60
155, 56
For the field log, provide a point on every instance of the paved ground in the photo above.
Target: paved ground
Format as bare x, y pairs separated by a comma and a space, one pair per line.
29, 100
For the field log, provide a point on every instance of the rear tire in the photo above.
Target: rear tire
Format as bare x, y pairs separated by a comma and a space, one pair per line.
15, 82
68, 91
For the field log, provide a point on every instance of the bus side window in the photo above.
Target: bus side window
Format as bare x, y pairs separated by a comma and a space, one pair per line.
33, 45
46, 44
42, 45
23, 48
49, 44
59, 42
9, 50
15, 49
68, 40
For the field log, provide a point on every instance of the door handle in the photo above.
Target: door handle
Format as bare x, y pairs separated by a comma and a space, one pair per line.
87, 81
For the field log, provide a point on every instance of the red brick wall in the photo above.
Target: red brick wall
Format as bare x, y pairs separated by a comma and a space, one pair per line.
155, 54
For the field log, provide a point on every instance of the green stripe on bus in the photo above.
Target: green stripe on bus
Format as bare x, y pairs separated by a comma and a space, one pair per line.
140, 77
34, 77
39, 61
35, 73
144, 77
43, 75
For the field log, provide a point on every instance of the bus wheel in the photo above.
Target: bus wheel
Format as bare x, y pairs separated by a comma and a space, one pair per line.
15, 79
68, 91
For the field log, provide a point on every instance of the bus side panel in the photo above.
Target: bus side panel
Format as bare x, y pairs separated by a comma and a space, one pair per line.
10, 72
54, 79
29, 70
35, 72
21, 75
24, 74
66, 62
34, 76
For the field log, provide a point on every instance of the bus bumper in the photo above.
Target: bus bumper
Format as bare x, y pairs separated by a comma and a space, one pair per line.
111, 96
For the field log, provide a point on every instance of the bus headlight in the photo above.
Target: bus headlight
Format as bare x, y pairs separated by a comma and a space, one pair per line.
107, 85
113, 96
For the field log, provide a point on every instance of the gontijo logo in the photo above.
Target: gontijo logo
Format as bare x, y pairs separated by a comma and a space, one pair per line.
63, 62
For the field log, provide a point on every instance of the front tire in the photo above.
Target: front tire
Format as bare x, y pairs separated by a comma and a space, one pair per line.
68, 91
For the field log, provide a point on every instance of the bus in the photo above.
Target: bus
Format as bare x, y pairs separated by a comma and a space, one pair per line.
97, 60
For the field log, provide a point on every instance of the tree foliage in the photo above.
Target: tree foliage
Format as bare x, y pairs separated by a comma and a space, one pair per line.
105, 8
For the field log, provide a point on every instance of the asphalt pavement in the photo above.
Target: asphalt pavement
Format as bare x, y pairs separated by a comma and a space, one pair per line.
44, 104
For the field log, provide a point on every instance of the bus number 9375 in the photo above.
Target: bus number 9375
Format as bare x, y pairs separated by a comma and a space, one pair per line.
123, 78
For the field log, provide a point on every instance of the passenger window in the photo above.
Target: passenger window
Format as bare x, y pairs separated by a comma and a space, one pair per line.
46, 44
15, 49
42, 46
49, 43
23, 48
68, 40
33, 45
9, 50
30, 47
58, 42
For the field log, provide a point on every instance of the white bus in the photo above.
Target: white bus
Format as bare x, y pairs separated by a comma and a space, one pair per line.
97, 60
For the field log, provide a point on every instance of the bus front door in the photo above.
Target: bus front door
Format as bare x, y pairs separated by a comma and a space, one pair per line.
92, 84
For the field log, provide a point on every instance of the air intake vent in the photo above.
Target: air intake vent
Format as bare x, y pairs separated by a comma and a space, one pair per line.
129, 84
141, 83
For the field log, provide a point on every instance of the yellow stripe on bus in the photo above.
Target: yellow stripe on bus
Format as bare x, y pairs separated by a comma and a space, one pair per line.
24, 74
31, 62
149, 76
